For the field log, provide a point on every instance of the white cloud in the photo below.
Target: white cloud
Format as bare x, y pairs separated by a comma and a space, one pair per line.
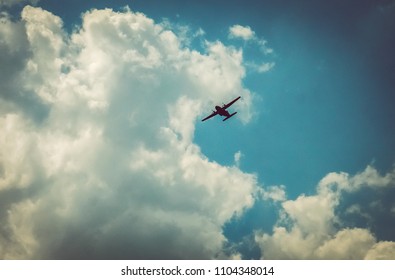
261, 68
17, 140
237, 158
97, 158
370, 177
347, 244
384, 250
248, 35
186, 35
111, 170
242, 32
309, 227
265, 67
275, 193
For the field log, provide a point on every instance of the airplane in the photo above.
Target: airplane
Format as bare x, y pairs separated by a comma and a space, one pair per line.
222, 111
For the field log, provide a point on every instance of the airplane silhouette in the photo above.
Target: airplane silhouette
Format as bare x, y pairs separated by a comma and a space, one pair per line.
222, 111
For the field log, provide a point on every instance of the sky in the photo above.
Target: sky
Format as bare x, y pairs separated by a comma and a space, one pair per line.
103, 154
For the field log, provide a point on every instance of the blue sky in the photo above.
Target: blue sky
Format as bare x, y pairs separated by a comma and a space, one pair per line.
308, 161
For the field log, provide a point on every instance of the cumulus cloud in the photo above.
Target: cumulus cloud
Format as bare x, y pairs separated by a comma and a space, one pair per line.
248, 35
347, 244
105, 166
381, 251
242, 32
97, 152
275, 193
14, 53
311, 228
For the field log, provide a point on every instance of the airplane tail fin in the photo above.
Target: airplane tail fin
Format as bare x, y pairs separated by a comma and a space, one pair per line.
231, 115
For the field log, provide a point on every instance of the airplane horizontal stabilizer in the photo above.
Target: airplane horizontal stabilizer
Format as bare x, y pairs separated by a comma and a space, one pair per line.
230, 116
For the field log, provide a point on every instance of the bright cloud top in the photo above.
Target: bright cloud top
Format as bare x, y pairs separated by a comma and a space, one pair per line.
101, 163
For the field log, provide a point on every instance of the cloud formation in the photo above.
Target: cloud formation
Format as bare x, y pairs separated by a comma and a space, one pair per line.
104, 164
98, 160
242, 32
311, 227
246, 34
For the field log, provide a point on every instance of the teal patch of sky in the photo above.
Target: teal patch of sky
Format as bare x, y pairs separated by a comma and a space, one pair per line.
322, 108
320, 112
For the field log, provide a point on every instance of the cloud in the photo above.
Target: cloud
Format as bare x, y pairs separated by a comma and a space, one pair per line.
248, 35
347, 244
185, 34
381, 251
98, 160
261, 68
242, 32
14, 54
237, 158
275, 193
311, 227
10, 3
106, 167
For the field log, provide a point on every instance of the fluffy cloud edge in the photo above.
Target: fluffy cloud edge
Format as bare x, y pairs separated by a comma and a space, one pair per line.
309, 227
242, 32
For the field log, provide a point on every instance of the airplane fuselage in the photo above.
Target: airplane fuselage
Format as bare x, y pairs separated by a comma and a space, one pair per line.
221, 111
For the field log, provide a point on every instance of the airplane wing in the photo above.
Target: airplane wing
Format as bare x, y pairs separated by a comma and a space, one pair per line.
231, 115
210, 116
230, 103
